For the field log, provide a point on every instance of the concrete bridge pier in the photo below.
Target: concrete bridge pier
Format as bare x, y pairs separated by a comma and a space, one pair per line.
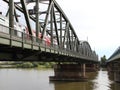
114, 71
110, 71
69, 72
83, 70
117, 76
117, 72
92, 67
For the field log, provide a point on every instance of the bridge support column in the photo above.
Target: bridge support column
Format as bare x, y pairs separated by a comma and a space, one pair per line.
117, 72
83, 66
69, 72
92, 67
110, 71
11, 17
114, 71
117, 76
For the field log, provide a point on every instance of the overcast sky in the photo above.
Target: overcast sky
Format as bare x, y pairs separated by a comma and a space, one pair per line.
99, 20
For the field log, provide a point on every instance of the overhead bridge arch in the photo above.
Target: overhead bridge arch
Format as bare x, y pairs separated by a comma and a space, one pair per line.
86, 50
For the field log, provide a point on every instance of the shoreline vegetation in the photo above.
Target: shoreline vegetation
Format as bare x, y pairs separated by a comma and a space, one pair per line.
27, 64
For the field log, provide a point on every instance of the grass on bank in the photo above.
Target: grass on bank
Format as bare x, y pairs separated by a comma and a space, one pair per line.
27, 64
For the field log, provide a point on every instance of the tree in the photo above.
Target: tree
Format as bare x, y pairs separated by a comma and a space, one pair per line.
103, 60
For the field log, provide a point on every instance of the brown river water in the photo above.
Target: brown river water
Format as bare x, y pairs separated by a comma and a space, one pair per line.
38, 79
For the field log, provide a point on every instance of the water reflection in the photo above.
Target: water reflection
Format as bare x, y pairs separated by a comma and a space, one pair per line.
77, 85
73, 86
35, 79
102, 81
115, 86
97, 81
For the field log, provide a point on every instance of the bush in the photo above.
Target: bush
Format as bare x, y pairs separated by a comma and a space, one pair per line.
25, 65
35, 64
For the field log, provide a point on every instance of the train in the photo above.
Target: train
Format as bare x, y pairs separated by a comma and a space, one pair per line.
19, 29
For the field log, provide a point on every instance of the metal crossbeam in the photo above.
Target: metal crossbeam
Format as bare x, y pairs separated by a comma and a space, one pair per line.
51, 23
26, 16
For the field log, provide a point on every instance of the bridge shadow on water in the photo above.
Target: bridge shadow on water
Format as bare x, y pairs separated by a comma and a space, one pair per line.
97, 81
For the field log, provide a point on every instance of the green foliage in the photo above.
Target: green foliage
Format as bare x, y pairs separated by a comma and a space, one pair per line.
25, 65
35, 64
49, 65
22, 64
103, 60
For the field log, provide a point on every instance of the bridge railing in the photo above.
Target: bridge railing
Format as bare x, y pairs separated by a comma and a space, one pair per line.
4, 29
22, 36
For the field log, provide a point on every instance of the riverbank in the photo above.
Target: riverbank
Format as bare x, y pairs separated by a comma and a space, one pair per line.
26, 65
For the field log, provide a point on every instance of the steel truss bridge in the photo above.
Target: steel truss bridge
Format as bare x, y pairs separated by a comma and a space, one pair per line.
113, 65
48, 19
115, 57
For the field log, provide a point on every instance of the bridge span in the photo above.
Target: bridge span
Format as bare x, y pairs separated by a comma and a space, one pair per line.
54, 38
39, 30
113, 65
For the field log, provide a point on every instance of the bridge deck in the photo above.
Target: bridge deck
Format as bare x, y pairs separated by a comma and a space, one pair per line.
19, 44
115, 56
47, 22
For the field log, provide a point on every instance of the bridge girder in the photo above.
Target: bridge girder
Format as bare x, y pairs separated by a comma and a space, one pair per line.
58, 32
52, 22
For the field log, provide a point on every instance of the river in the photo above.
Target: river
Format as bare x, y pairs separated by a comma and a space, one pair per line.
38, 79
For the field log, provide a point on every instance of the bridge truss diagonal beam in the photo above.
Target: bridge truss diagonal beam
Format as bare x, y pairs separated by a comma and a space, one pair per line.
51, 22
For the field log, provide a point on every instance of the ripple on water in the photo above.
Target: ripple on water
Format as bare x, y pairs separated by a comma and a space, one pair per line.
102, 81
